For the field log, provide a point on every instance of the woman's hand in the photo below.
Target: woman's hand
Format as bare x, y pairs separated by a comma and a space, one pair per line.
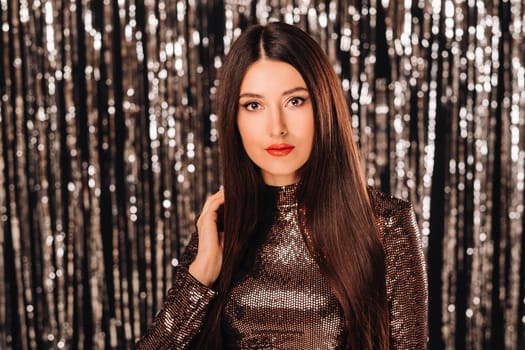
208, 262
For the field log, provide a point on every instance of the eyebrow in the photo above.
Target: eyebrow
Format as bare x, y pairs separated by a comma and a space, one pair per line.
287, 92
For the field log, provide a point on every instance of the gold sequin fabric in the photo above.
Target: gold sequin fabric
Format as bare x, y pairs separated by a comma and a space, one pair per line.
406, 278
284, 302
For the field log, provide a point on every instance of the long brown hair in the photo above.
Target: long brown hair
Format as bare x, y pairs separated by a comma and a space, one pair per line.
339, 222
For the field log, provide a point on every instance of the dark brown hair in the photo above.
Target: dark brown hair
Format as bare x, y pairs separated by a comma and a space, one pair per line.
339, 222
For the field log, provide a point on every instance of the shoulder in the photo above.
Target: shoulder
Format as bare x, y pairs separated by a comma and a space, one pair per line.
393, 215
384, 204
399, 232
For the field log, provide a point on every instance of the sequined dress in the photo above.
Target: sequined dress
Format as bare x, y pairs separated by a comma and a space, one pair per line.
284, 302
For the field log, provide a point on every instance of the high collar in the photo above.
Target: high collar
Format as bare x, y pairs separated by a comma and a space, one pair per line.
286, 195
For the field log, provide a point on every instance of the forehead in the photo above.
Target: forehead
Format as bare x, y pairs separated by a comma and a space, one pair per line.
266, 75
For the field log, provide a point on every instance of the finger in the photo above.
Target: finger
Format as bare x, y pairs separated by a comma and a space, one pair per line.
210, 210
214, 201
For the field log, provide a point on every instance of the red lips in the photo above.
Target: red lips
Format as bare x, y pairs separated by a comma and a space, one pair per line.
279, 150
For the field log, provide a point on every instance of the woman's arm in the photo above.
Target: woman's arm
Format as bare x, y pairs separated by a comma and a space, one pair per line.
183, 311
406, 279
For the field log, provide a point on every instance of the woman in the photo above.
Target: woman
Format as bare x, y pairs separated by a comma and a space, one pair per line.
309, 258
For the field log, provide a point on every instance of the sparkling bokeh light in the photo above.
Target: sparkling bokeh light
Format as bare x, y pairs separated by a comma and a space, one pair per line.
109, 147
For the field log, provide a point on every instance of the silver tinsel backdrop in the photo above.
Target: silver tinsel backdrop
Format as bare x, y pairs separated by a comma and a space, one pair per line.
108, 148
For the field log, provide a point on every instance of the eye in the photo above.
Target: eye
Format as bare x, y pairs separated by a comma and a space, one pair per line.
296, 101
251, 106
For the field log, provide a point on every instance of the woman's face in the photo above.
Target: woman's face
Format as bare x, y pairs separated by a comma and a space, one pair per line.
276, 120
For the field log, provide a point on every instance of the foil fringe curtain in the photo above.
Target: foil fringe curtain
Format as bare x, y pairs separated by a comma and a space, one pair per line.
109, 148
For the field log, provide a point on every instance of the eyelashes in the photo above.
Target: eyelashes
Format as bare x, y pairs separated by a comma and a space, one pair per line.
251, 106
295, 101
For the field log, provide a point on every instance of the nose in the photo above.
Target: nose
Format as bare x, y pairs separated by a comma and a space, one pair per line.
277, 124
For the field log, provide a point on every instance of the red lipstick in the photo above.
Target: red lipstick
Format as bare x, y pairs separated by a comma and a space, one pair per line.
279, 150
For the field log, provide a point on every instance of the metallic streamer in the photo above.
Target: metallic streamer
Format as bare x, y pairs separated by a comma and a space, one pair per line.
109, 147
